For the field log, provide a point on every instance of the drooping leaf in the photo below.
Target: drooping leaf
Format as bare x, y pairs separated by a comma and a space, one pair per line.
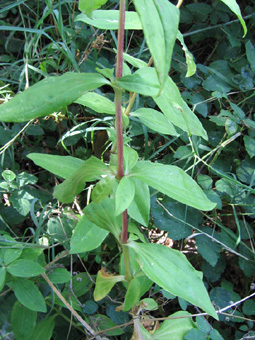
155, 121
232, 4
29, 295
102, 215
173, 182
51, 163
175, 328
109, 20
189, 58
49, 95
89, 6
104, 283
139, 209
90, 170
44, 329
23, 321
171, 270
97, 103
160, 20
25, 268
86, 236
124, 195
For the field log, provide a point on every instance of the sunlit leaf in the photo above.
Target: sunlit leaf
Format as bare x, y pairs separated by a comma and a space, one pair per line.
88, 6
104, 283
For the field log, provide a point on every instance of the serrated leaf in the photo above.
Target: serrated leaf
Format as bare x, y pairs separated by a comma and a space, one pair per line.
139, 209
88, 6
29, 295
173, 182
155, 120
171, 270
160, 20
124, 194
49, 95
25, 268
232, 4
86, 236
104, 283
23, 321
109, 19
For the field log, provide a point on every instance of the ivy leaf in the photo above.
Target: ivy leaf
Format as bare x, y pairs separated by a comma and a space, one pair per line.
88, 6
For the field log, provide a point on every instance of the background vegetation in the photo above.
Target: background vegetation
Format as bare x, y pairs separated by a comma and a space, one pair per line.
42, 38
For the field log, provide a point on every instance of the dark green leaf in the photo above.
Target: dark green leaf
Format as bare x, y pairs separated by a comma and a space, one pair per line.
59, 275
2, 277
249, 307
44, 329
90, 307
209, 249
104, 322
25, 268
23, 321
249, 143
195, 334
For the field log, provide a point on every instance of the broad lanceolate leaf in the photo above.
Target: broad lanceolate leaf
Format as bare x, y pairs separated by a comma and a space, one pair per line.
91, 170
88, 6
44, 329
104, 283
25, 268
139, 209
29, 295
23, 321
171, 270
109, 19
86, 236
155, 120
130, 159
175, 328
51, 163
102, 215
124, 195
97, 103
232, 4
173, 182
49, 95
160, 20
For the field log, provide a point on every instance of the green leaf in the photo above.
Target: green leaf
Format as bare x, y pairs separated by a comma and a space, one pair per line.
88, 6
51, 163
25, 268
171, 270
102, 215
49, 95
2, 277
8, 175
130, 159
44, 329
160, 20
148, 304
189, 58
97, 102
195, 334
139, 209
132, 295
109, 20
143, 81
23, 321
209, 249
249, 143
11, 255
103, 189
175, 328
177, 111
173, 182
215, 335
60, 275
91, 170
21, 201
86, 236
103, 322
104, 283
124, 195
250, 53
138, 63
155, 121
249, 307
29, 295
232, 4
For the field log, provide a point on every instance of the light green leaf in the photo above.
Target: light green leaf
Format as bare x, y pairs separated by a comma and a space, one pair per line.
8, 175
51, 163
173, 182
109, 20
103, 189
104, 283
124, 195
155, 121
138, 63
130, 159
21, 201
11, 255
148, 304
88, 6
232, 4
143, 81
91, 170
44, 329
175, 328
177, 111
86, 236
49, 95
59, 275
23, 321
189, 57
102, 215
97, 103
139, 209
171, 270
132, 295
29, 295
2, 277
25, 268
